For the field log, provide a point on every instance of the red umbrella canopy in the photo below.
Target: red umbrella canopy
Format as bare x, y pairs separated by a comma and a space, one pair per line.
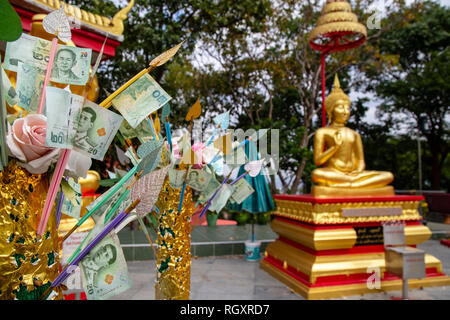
338, 29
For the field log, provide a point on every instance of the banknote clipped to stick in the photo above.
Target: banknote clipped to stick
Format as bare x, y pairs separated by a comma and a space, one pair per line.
140, 99
104, 271
89, 129
71, 64
30, 80
71, 205
9, 92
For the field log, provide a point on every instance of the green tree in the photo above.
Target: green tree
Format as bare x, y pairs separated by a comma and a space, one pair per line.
414, 84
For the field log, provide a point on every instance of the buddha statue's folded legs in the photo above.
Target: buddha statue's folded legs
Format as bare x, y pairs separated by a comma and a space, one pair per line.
366, 179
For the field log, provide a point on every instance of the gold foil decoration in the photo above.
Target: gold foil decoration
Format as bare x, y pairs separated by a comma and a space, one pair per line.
174, 242
27, 264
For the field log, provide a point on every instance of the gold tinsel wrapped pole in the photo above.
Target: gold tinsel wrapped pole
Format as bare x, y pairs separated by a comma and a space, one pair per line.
27, 263
173, 262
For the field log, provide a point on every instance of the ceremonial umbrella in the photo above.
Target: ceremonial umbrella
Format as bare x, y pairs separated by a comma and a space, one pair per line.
260, 200
337, 29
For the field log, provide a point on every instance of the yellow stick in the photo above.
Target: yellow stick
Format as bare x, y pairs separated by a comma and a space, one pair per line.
108, 101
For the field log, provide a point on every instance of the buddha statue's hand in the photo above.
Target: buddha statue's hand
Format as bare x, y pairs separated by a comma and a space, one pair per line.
338, 139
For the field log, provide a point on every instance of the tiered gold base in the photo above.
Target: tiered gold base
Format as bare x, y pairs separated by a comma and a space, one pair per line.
331, 248
327, 292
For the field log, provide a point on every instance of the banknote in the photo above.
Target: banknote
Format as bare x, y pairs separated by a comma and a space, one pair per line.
89, 129
221, 198
242, 190
95, 130
30, 81
143, 131
71, 64
207, 193
198, 179
62, 110
176, 178
32, 50
140, 99
104, 271
71, 205
10, 93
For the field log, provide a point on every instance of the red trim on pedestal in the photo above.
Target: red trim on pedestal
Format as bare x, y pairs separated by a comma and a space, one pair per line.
313, 200
338, 280
342, 225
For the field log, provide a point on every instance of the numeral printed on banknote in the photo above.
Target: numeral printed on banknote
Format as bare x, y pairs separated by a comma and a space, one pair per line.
140, 99
71, 64
89, 130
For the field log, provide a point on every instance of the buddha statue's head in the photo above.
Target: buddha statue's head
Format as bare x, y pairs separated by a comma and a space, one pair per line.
337, 104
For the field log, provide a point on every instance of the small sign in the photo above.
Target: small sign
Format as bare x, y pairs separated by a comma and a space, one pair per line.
367, 212
394, 235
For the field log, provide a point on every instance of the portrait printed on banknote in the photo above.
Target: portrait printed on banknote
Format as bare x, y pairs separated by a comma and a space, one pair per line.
198, 179
95, 130
83, 136
71, 65
104, 270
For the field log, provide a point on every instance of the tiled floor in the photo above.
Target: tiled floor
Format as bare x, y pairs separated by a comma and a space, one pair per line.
205, 241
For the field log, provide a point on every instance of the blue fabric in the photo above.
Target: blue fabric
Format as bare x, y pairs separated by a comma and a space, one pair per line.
260, 200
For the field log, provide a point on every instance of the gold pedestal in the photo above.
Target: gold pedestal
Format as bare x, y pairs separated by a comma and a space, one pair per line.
329, 192
324, 252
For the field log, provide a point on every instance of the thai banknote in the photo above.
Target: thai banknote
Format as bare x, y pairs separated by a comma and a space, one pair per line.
198, 179
140, 99
10, 93
242, 190
207, 193
71, 205
104, 271
143, 131
62, 110
176, 178
30, 80
89, 129
71, 64
221, 198
32, 50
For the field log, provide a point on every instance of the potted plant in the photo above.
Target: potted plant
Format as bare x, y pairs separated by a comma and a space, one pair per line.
211, 218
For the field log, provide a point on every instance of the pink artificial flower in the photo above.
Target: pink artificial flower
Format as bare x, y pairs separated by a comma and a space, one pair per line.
26, 142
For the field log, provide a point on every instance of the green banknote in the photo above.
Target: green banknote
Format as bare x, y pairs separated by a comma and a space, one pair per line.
71, 64
10, 93
104, 271
207, 193
143, 131
140, 99
242, 190
198, 179
30, 81
89, 130
71, 205
176, 178
32, 50
62, 111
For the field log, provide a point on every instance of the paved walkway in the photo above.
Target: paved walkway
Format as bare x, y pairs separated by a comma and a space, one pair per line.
233, 278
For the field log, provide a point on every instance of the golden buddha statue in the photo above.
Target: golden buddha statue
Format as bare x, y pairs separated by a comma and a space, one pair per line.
341, 152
